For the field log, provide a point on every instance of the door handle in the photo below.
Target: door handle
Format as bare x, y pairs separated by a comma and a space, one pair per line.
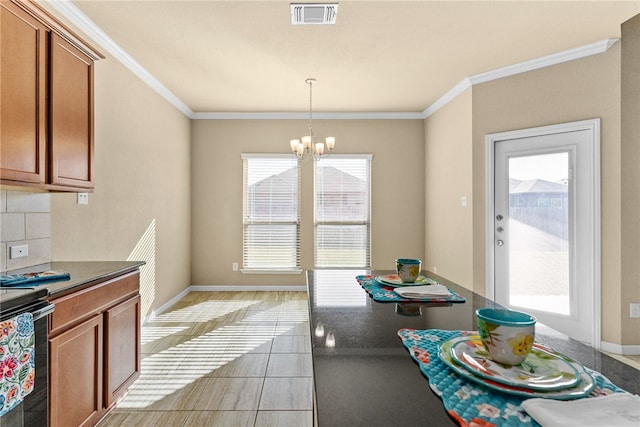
500, 243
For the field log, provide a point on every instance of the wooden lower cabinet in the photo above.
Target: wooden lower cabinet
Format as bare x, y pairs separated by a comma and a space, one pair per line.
76, 372
94, 344
122, 343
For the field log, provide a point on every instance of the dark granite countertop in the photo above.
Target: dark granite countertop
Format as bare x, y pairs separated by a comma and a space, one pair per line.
83, 273
369, 378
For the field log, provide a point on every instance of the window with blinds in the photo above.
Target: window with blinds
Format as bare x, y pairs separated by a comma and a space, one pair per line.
271, 237
342, 195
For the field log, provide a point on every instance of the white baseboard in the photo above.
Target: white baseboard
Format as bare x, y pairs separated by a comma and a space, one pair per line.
149, 317
624, 350
244, 288
217, 288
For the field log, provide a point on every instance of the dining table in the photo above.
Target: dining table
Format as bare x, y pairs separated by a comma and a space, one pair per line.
364, 375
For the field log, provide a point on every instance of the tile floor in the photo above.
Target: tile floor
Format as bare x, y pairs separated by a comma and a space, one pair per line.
631, 360
223, 359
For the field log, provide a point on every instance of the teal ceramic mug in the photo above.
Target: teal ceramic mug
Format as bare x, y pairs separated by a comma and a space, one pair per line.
507, 334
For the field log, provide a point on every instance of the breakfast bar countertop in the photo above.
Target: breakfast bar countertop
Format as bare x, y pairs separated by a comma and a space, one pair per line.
364, 376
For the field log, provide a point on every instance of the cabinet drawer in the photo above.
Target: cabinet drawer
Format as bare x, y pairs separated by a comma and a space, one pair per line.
72, 309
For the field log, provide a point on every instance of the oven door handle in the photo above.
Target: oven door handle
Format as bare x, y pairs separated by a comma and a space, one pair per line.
42, 312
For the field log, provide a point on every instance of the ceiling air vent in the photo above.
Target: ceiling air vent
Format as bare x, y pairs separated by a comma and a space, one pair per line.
313, 13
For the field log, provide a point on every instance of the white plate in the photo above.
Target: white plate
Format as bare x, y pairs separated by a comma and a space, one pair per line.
542, 369
394, 281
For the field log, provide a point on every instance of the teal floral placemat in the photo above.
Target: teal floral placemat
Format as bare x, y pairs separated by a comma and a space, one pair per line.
469, 403
381, 293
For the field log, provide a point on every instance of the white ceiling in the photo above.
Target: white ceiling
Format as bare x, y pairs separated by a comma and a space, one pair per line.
380, 56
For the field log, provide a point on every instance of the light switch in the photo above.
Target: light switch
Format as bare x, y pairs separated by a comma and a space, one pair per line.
18, 251
463, 201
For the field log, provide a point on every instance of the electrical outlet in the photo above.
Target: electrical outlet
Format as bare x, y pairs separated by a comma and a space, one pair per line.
20, 251
235, 266
634, 310
83, 198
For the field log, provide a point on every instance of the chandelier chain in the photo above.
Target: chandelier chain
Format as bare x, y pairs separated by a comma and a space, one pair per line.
310, 81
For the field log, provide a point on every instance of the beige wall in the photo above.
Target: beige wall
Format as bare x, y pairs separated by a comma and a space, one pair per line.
397, 184
141, 205
577, 90
630, 176
448, 173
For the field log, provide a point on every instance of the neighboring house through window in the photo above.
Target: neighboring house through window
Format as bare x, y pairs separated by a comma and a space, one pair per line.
271, 220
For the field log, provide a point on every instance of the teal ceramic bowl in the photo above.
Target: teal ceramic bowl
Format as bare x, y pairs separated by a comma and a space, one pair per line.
507, 334
408, 269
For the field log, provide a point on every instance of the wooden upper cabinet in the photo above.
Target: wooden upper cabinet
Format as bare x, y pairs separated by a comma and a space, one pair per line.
71, 101
46, 110
23, 89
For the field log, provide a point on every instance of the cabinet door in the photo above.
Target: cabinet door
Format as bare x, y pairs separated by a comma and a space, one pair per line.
122, 342
76, 372
23, 91
71, 103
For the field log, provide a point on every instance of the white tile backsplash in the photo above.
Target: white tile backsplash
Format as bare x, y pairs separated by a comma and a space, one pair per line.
25, 219
39, 253
37, 225
19, 201
12, 227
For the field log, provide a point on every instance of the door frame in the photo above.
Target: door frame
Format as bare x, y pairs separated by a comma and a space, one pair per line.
591, 125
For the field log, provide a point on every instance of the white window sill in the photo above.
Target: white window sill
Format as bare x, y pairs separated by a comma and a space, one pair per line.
271, 271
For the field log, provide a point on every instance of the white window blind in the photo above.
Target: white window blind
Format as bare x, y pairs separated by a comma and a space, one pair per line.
342, 211
271, 238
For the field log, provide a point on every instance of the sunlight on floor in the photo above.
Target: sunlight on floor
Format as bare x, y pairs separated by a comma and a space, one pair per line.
203, 312
168, 371
150, 334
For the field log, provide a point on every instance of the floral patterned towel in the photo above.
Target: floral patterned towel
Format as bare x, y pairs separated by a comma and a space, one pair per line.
468, 403
17, 366
382, 293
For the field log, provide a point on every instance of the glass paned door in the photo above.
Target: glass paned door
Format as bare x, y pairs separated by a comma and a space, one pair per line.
544, 230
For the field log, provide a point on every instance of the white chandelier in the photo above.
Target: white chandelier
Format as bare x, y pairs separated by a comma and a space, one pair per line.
306, 147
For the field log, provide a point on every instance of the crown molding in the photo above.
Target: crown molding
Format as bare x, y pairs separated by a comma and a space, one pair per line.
71, 12
522, 67
305, 116
449, 96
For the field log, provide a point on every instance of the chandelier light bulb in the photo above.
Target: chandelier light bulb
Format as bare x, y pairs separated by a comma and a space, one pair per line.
331, 142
